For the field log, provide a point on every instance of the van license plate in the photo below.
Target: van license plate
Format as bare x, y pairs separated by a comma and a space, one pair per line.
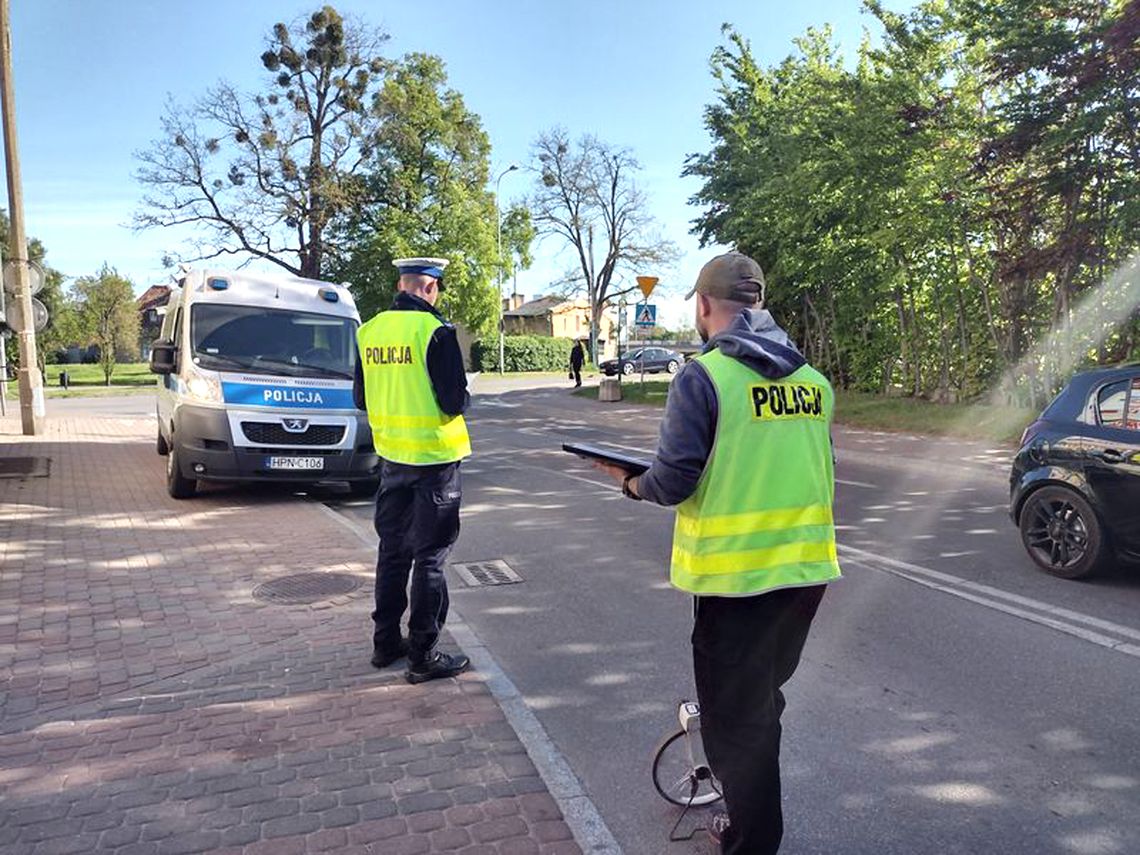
295, 463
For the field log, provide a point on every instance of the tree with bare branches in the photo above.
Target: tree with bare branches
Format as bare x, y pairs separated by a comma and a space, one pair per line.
263, 176
585, 194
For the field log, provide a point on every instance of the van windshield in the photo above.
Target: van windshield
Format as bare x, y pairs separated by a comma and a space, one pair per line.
272, 341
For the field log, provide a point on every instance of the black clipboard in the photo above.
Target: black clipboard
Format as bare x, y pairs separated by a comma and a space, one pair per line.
631, 464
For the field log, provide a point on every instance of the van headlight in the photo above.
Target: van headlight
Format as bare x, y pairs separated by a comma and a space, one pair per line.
205, 388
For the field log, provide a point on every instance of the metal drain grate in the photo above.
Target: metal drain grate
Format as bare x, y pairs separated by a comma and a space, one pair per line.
305, 588
480, 574
24, 467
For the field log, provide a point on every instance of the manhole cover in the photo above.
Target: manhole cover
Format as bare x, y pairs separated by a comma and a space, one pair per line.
305, 588
479, 574
24, 467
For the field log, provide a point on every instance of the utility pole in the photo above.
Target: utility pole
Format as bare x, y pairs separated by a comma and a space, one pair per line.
31, 384
3, 359
499, 266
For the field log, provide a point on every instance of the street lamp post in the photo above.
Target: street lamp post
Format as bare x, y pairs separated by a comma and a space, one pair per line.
499, 266
622, 325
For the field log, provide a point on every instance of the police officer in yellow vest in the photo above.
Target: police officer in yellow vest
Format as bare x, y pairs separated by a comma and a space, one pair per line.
410, 378
745, 455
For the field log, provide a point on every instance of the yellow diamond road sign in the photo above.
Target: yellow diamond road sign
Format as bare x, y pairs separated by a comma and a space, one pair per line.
646, 284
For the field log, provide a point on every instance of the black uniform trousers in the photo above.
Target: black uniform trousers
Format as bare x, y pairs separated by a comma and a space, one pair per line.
417, 519
744, 650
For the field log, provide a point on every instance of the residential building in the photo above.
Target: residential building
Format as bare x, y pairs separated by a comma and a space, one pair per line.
150, 319
558, 317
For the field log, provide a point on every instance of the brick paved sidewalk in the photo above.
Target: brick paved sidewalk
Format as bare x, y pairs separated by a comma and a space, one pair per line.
148, 703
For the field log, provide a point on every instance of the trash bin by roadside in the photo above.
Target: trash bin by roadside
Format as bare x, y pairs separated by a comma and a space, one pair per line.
64, 379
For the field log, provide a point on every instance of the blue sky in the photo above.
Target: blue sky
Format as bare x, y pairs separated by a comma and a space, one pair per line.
92, 76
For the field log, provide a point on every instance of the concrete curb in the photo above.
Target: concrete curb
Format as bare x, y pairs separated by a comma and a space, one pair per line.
585, 822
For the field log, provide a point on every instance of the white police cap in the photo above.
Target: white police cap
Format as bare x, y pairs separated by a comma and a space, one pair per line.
433, 267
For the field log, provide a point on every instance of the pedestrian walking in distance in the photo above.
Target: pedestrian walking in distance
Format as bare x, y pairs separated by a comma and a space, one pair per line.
745, 455
410, 379
577, 357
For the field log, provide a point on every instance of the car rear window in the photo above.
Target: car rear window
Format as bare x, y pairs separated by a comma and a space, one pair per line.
1110, 403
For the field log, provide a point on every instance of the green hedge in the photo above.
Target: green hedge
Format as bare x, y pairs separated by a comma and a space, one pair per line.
522, 353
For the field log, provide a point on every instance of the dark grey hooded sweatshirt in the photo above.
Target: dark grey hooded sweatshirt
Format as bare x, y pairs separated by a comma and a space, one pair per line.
688, 427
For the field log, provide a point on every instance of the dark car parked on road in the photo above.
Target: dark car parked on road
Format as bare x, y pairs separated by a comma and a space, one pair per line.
1075, 484
648, 359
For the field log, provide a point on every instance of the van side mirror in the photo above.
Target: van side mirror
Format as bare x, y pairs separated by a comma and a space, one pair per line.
163, 357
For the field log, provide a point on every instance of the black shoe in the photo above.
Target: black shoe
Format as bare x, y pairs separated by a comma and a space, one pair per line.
384, 658
437, 666
718, 825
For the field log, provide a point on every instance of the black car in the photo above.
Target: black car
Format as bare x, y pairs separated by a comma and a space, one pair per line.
1075, 484
648, 359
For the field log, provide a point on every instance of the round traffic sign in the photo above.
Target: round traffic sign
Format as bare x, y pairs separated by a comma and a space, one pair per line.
16, 316
35, 276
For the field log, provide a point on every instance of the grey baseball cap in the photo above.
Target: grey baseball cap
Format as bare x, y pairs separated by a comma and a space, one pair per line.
732, 276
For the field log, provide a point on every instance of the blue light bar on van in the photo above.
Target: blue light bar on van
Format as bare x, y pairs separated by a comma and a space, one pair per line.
218, 284
329, 295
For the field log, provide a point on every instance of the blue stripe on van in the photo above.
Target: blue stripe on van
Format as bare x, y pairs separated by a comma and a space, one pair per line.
305, 397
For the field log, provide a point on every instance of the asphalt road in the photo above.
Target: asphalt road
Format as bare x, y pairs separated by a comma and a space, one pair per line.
952, 699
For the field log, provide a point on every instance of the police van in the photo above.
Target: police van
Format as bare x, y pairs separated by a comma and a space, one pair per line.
256, 383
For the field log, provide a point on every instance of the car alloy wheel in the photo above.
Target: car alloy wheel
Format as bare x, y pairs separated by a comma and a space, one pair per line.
627, 368
1061, 533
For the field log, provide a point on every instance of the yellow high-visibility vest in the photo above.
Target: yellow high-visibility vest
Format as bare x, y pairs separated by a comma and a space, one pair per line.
407, 424
761, 517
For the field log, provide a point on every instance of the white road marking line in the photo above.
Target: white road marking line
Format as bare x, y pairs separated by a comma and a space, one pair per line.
953, 585
863, 484
605, 485
1054, 617
578, 811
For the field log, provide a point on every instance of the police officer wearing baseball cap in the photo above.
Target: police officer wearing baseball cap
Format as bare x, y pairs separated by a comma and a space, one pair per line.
745, 456
410, 379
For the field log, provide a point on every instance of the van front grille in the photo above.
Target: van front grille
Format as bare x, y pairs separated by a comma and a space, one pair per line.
272, 433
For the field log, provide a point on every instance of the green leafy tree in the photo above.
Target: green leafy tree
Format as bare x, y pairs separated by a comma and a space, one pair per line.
930, 213
1062, 156
108, 316
424, 191
265, 175
63, 328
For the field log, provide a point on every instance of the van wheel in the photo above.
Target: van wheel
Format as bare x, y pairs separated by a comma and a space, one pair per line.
177, 485
160, 443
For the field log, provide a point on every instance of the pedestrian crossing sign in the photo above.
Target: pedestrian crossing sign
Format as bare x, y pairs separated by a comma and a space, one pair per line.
646, 315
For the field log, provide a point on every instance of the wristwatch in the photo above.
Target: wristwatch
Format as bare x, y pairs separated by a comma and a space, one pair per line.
625, 491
